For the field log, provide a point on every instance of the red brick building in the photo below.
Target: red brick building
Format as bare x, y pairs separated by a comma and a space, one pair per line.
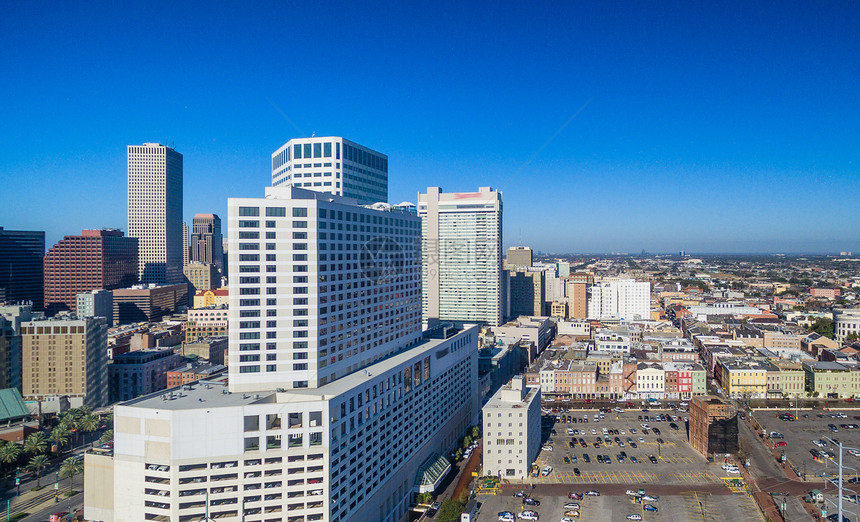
93, 260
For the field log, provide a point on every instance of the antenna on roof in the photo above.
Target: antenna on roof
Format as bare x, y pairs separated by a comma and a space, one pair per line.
314, 133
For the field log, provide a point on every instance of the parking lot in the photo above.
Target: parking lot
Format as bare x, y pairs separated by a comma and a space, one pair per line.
629, 452
686, 505
810, 425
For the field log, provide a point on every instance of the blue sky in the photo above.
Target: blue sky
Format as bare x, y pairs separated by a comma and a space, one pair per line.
732, 127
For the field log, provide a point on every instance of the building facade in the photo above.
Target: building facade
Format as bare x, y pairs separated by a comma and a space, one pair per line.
845, 323
619, 299
210, 321
323, 287
155, 211
207, 241
526, 292
96, 259
713, 425
511, 430
140, 372
461, 255
202, 276
96, 303
21, 269
334, 165
65, 356
148, 303
518, 257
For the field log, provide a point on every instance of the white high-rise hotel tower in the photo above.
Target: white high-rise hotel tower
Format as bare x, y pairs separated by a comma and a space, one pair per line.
337, 406
333, 165
155, 211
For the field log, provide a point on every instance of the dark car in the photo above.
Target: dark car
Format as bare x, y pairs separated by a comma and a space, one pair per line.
653, 459
660, 441
576, 471
586, 458
432, 509
531, 501
674, 426
656, 431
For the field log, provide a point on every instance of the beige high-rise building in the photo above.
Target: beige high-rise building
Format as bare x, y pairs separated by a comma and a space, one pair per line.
65, 356
186, 252
577, 295
519, 257
155, 211
202, 276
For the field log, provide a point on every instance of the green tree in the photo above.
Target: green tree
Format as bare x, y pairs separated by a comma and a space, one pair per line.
36, 443
823, 326
71, 467
10, 453
476, 432
88, 423
60, 436
450, 511
38, 463
853, 336
106, 436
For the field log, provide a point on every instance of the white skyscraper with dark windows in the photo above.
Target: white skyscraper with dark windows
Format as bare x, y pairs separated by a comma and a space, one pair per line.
619, 299
326, 361
461, 252
155, 211
334, 165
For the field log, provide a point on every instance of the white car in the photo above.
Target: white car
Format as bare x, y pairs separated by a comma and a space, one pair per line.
641, 439
571, 505
634, 516
733, 470
546, 447
854, 452
644, 426
649, 498
631, 493
528, 515
622, 432
593, 431
820, 443
570, 431
546, 471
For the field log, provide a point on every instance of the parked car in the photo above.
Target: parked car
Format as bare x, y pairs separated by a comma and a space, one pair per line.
634, 516
592, 493
546, 471
649, 507
531, 501
780, 444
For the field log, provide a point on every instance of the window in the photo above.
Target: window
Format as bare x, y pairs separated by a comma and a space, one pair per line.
307, 150
249, 246
249, 369
249, 224
249, 257
276, 211
297, 152
249, 211
249, 235
317, 150
300, 212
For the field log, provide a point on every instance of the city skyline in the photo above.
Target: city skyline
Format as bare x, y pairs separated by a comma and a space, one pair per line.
712, 132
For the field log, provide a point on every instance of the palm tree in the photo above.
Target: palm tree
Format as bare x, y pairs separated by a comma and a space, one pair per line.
60, 436
69, 468
89, 423
37, 464
106, 436
36, 443
10, 453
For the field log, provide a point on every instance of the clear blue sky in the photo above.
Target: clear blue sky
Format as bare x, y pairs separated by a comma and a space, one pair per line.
732, 127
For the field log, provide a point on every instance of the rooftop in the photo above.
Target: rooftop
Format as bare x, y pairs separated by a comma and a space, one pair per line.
202, 394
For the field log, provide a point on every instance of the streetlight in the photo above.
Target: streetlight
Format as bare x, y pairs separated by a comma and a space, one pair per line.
839, 506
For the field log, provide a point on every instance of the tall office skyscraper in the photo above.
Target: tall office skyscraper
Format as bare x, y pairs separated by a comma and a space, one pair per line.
334, 165
96, 259
155, 211
207, 241
186, 250
326, 360
461, 239
21, 272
